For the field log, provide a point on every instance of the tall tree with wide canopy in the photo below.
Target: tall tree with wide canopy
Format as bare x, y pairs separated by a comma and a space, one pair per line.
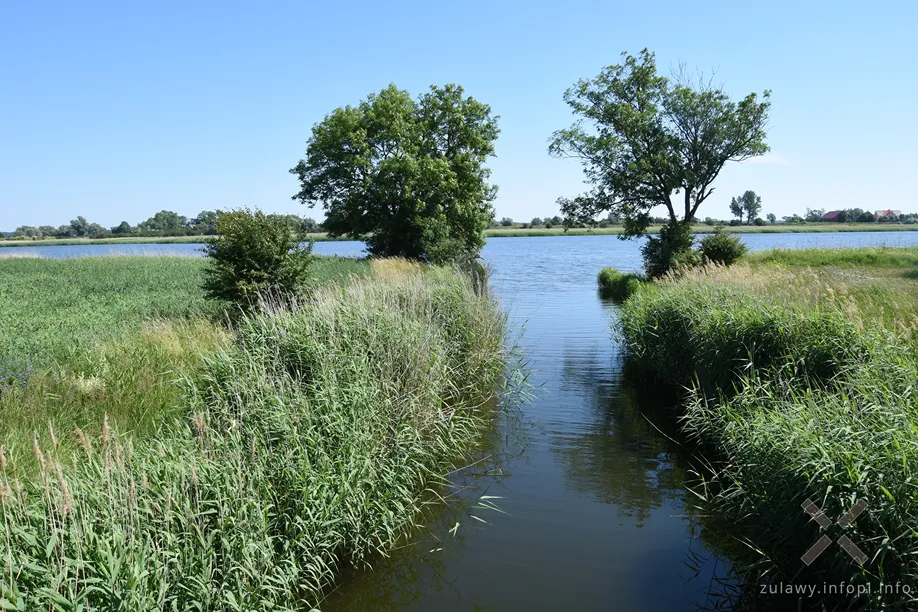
643, 138
407, 176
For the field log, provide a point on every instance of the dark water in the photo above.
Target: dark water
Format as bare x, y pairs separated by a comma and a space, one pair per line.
592, 510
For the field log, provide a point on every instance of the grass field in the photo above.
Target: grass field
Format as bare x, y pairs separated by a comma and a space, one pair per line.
515, 232
88, 337
803, 370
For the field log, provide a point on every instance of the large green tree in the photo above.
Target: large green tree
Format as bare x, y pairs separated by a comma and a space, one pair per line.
644, 138
407, 176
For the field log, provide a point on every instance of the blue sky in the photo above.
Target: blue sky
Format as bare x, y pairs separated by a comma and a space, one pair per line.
117, 110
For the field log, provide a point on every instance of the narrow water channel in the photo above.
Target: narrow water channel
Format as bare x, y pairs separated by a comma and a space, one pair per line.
594, 510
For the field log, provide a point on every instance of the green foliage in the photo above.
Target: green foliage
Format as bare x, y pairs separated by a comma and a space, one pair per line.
814, 214
253, 255
306, 448
506, 222
164, 222
748, 203
618, 285
87, 337
123, 228
670, 251
736, 209
406, 176
642, 138
721, 247
771, 217
796, 394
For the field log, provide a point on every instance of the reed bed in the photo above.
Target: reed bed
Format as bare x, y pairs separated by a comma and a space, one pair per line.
308, 444
801, 383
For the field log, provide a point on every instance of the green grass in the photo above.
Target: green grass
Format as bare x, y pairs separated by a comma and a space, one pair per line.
866, 257
88, 337
52, 308
617, 285
803, 384
307, 445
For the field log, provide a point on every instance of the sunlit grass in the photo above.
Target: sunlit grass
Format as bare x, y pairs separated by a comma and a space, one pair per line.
309, 443
803, 376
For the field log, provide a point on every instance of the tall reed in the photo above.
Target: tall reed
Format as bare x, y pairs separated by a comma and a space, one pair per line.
310, 444
797, 387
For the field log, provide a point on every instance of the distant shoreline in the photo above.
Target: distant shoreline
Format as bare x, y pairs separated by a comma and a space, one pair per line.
510, 233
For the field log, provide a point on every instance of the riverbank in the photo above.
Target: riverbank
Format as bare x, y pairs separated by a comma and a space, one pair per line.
803, 367
511, 233
260, 460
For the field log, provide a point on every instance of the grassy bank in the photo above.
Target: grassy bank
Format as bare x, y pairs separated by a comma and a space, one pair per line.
804, 368
303, 442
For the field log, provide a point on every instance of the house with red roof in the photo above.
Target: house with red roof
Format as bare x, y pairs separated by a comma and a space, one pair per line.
832, 215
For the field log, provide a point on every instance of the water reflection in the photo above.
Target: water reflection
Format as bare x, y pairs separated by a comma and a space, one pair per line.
616, 456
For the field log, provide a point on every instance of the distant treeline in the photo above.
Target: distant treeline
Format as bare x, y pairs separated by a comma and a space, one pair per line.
163, 223
848, 215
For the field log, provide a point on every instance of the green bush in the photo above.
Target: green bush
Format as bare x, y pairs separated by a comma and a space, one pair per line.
255, 254
669, 251
617, 285
721, 247
759, 221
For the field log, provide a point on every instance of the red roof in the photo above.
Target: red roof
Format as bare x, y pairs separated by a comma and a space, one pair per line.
832, 215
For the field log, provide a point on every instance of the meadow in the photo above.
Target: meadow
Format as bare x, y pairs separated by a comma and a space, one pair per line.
800, 374
153, 456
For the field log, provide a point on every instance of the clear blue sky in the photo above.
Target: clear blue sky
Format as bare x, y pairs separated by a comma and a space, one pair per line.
114, 110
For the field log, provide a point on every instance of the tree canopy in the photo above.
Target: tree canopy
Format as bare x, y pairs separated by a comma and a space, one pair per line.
643, 138
748, 203
407, 176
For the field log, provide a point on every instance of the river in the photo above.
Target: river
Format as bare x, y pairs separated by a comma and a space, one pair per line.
591, 506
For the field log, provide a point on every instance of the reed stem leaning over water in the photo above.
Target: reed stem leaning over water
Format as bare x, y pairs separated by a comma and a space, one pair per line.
305, 446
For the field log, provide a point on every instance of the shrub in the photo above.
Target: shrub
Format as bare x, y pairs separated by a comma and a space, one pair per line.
721, 247
616, 285
759, 221
254, 254
670, 251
